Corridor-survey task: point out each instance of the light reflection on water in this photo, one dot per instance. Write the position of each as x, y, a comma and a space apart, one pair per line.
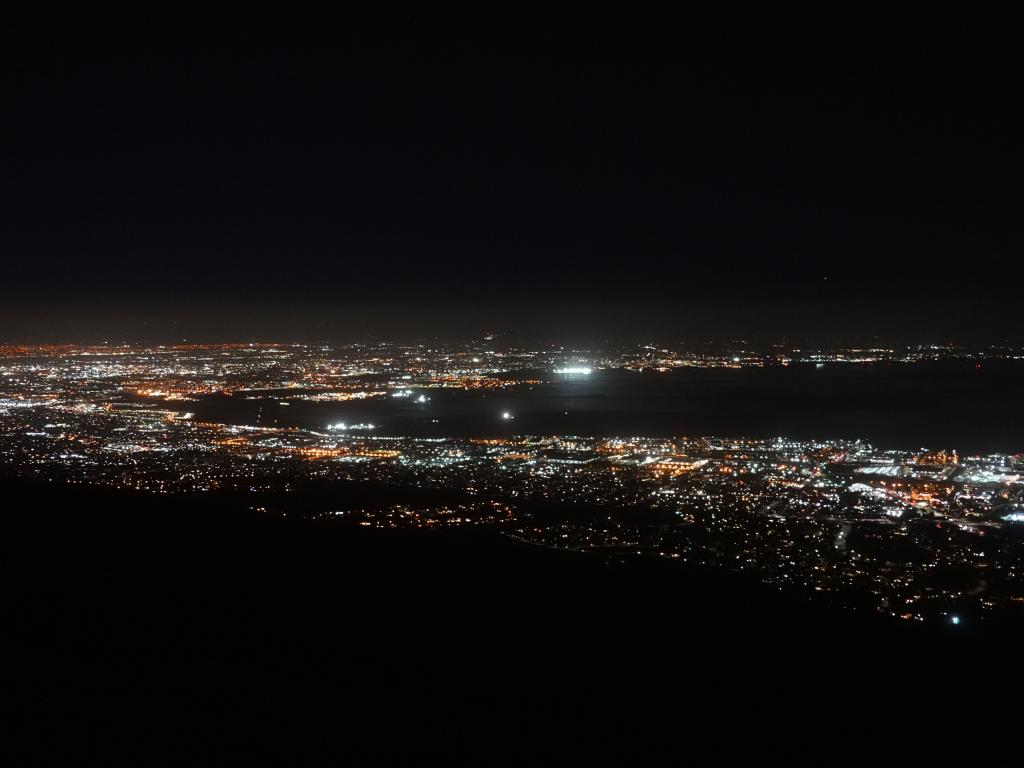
935, 405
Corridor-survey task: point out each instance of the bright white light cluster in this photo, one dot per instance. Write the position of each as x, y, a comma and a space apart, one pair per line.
575, 369
343, 427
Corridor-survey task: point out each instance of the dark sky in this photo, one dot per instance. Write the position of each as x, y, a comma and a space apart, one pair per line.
691, 174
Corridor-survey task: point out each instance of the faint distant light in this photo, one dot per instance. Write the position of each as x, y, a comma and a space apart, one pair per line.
954, 619
422, 399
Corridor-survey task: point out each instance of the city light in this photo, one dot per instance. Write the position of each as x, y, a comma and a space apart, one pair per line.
824, 516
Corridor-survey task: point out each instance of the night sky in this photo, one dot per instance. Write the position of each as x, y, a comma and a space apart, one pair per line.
691, 175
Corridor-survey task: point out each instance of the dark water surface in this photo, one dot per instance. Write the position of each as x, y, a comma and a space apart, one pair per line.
952, 405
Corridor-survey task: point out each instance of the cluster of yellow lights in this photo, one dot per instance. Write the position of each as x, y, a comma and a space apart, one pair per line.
476, 382
678, 466
316, 452
343, 396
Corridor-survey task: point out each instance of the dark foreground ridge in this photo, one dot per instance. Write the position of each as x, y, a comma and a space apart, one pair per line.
111, 590
198, 601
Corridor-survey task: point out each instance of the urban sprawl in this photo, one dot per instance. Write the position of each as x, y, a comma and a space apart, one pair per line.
917, 534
